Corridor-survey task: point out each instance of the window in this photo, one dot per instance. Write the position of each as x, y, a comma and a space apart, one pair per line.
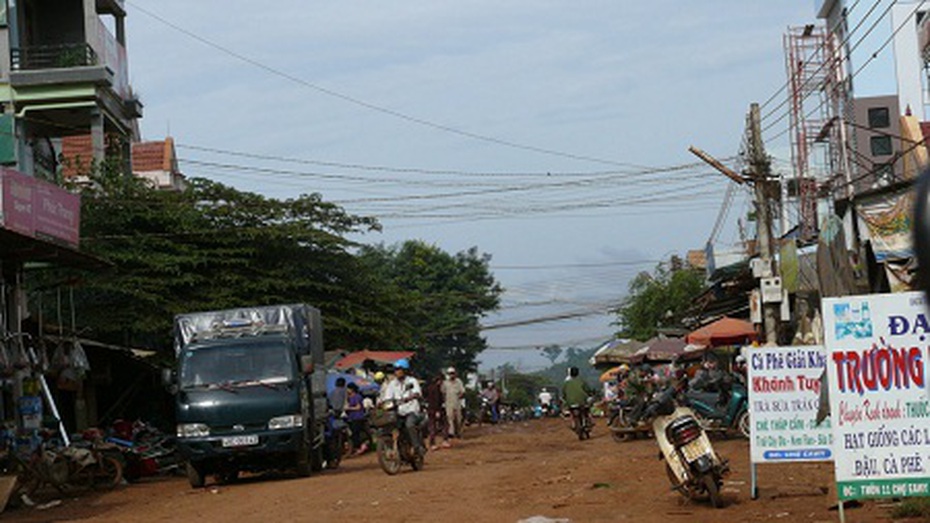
881, 145
879, 118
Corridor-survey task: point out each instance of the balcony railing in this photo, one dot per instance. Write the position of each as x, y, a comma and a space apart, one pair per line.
53, 56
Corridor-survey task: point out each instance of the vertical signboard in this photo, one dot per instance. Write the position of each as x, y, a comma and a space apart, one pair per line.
784, 394
877, 349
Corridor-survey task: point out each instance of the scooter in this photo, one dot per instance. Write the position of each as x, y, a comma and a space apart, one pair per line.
722, 411
693, 467
394, 446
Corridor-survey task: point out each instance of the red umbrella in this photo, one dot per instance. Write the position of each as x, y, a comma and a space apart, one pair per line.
725, 331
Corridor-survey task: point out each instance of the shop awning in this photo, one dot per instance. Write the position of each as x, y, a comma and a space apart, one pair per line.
15, 247
725, 331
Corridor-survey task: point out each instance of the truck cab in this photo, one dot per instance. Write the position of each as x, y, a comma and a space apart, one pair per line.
250, 391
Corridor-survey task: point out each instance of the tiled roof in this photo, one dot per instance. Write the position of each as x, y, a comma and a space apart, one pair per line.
152, 156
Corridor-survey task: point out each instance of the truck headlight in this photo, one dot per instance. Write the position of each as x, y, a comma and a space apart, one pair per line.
193, 430
293, 421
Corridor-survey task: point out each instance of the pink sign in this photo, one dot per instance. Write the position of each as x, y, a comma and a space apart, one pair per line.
39, 209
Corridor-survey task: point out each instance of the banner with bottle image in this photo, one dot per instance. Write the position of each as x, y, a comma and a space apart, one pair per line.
877, 354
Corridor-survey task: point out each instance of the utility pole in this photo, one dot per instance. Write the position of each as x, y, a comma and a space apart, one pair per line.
760, 174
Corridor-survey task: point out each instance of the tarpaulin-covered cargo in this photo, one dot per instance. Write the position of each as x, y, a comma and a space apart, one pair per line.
301, 322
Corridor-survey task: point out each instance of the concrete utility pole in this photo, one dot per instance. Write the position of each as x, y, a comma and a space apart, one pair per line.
759, 175
761, 172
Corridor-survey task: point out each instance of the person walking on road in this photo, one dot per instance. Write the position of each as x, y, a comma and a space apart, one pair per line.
453, 391
434, 410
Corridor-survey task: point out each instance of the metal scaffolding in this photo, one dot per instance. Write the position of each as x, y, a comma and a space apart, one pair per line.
818, 100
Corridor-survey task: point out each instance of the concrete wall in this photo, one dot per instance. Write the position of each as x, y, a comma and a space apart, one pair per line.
864, 157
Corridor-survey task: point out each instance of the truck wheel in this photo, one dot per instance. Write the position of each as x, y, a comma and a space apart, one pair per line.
195, 475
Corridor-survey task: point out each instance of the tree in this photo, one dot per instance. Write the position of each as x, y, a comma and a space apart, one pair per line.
552, 353
215, 247
442, 298
658, 300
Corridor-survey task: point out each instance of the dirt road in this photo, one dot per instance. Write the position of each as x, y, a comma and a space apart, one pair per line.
497, 474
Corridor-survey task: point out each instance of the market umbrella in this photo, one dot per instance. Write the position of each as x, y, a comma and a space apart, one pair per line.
660, 349
725, 331
610, 374
365, 386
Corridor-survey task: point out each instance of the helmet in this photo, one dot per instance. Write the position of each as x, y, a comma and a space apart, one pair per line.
402, 363
379, 376
450, 370
624, 367
741, 359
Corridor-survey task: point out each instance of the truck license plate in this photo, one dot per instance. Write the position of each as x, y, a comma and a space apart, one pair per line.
240, 441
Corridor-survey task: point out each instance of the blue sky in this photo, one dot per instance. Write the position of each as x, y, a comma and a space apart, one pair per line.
617, 82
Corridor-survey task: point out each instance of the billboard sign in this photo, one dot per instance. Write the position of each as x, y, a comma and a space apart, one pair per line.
877, 353
39, 209
784, 394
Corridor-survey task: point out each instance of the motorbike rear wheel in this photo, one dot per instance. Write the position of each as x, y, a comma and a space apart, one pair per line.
713, 490
744, 424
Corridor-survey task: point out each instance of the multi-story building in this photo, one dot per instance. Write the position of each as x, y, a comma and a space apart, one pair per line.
64, 72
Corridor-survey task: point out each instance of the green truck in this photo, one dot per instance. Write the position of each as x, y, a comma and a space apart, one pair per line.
250, 391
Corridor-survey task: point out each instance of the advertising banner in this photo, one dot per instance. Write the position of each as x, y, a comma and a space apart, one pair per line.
39, 209
877, 353
784, 394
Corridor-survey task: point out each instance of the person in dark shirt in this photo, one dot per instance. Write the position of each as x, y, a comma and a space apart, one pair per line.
357, 418
435, 411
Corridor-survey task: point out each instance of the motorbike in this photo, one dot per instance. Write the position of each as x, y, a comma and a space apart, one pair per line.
724, 410
581, 419
394, 446
146, 451
620, 419
693, 467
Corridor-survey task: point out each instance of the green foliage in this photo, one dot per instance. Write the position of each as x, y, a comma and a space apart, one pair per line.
912, 508
574, 357
658, 300
441, 299
551, 352
522, 389
214, 247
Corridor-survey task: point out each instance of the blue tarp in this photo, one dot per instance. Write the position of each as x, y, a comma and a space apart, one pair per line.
365, 386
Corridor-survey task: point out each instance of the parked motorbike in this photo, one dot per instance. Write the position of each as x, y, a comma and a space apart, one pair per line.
146, 451
722, 410
620, 419
394, 446
693, 467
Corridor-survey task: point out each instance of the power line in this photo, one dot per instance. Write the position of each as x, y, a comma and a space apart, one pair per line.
374, 107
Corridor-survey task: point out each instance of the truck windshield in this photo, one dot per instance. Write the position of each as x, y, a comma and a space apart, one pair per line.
263, 362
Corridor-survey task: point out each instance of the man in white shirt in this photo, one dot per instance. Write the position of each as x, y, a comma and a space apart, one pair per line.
404, 390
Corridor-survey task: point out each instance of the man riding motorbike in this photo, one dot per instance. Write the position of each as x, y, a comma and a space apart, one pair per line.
404, 391
576, 393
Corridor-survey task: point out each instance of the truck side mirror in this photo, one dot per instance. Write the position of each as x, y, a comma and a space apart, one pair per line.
168, 380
